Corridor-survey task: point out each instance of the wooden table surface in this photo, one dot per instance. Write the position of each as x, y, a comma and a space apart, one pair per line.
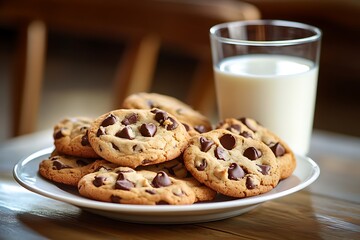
327, 209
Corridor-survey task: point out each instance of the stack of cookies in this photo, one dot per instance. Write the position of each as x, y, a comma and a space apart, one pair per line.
158, 150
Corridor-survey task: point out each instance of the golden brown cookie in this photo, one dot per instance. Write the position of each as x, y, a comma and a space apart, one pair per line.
65, 169
138, 137
231, 164
248, 127
127, 186
70, 137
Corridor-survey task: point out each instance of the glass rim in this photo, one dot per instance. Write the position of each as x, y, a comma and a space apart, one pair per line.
316, 32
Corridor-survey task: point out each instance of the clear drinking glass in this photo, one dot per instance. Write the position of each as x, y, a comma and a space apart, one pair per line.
268, 70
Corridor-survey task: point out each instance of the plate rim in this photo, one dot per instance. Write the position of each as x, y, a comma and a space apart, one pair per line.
131, 208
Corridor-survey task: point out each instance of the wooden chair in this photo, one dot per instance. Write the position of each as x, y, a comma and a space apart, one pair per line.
146, 26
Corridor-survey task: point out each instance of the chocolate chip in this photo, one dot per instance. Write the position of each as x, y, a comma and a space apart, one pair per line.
110, 120
250, 183
126, 133
202, 165
172, 126
122, 183
246, 134
235, 172
98, 181
160, 116
161, 180
115, 147
100, 132
58, 134
277, 149
148, 129
54, 158
228, 141
205, 144
155, 110
221, 153
150, 191
200, 128
59, 165
249, 124
137, 148
115, 199
130, 119
264, 169
162, 202
252, 153
85, 140
235, 127
186, 126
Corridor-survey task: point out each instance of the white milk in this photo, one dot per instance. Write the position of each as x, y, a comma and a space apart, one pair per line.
278, 91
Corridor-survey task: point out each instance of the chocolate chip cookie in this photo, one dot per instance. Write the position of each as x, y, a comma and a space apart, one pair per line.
71, 137
231, 164
134, 137
250, 128
127, 186
175, 168
65, 169
193, 120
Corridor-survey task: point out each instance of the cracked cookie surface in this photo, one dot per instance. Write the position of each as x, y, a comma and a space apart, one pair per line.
138, 137
231, 164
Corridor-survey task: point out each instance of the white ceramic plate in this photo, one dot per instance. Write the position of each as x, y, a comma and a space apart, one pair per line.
26, 174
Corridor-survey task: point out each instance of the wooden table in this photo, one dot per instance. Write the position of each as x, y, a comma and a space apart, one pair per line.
327, 209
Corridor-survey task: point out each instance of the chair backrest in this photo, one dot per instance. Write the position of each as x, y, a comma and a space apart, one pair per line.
145, 25
176, 24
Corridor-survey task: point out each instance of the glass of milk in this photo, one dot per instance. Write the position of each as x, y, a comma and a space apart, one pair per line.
267, 70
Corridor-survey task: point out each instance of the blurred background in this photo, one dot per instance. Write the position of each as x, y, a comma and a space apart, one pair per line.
61, 58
